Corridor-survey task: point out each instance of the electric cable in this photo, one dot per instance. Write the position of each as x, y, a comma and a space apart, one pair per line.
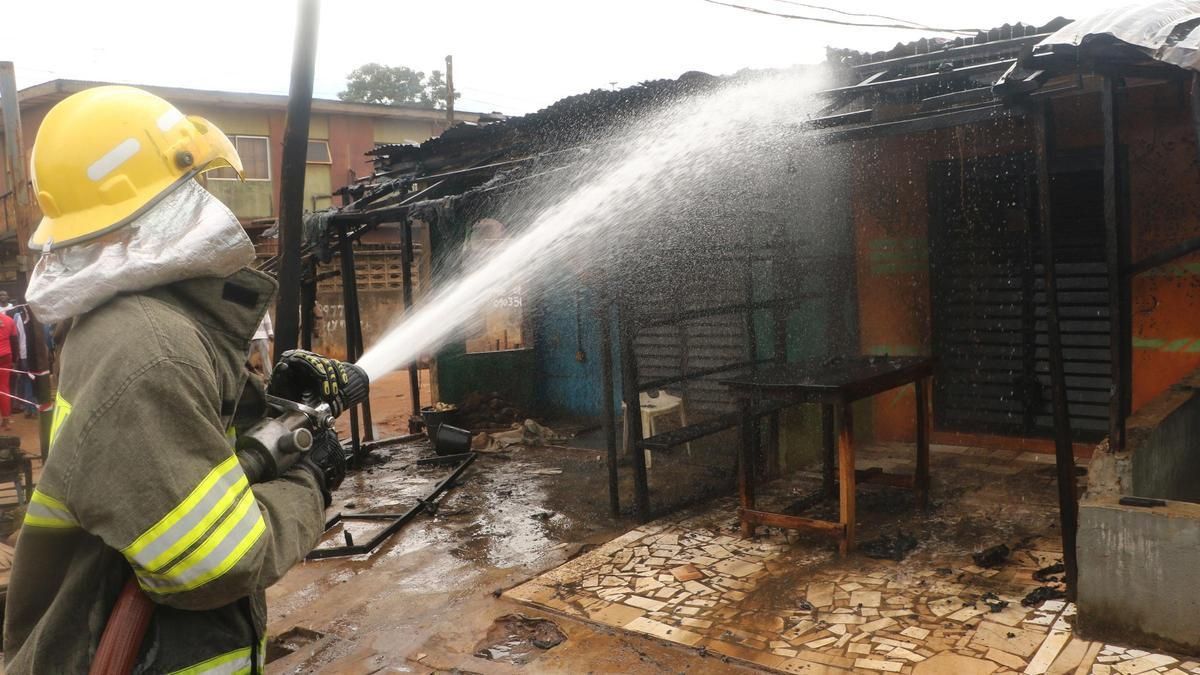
845, 13
756, 10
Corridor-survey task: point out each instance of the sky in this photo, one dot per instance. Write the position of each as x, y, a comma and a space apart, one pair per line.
511, 56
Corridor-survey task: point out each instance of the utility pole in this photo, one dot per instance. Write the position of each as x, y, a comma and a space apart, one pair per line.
35, 335
450, 90
291, 189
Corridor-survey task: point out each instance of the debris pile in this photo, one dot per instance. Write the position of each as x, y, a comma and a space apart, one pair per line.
888, 547
488, 411
530, 434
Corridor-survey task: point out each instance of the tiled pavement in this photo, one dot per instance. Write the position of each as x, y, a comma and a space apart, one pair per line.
794, 607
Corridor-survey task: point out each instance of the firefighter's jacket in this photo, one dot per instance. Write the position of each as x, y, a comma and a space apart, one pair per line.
141, 476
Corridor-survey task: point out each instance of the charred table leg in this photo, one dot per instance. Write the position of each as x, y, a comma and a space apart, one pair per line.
746, 464
829, 446
921, 481
846, 478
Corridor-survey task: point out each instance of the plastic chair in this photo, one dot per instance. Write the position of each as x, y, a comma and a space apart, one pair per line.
655, 406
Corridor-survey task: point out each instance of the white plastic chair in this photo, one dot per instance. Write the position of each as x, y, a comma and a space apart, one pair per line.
653, 407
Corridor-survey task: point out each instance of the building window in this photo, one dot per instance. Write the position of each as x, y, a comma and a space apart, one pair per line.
502, 325
255, 152
318, 152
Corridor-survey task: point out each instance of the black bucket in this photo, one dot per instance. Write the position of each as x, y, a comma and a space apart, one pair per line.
448, 440
436, 418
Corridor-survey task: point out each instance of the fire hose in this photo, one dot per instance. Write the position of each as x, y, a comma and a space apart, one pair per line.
265, 451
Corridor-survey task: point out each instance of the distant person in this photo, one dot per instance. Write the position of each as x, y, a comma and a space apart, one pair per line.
20, 383
8, 340
261, 344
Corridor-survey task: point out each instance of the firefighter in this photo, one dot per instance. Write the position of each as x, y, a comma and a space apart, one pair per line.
141, 478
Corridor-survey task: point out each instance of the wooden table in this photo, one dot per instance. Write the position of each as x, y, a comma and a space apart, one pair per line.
834, 384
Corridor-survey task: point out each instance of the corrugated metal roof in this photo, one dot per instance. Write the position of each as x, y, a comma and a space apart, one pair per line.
1166, 31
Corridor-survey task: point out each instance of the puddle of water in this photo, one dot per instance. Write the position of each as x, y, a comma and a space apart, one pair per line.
291, 641
519, 639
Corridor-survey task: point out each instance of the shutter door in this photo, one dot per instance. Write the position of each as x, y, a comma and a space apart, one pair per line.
989, 328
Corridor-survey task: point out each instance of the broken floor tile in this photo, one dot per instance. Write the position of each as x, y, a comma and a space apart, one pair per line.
945, 606
878, 624
736, 567
1141, 664
823, 642
875, 664
644, 603
662, 630
820, 594
1004, 658
865, 598
915, 632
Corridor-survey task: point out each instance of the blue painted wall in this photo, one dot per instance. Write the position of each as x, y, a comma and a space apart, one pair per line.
565, 323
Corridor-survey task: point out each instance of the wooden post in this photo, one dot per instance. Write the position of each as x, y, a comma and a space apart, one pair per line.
291, 190
14, 146
349, 303
406, 261
1116, 249
829, 448
747, 450
610, 412
633, 412
1068, 506
846, 480
921, 480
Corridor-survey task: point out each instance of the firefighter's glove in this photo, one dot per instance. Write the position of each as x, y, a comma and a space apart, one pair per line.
327, 462
311, 379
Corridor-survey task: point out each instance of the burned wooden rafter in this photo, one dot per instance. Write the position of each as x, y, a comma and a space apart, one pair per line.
980, 50
924, 78
920, 123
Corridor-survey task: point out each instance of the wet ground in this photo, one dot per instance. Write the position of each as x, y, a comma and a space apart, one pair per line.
427, 599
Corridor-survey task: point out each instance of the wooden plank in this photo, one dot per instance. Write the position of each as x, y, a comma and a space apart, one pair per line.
846, 504
1113, 241
768, 519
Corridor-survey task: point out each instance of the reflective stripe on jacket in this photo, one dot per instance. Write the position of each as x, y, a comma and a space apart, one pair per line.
141, 476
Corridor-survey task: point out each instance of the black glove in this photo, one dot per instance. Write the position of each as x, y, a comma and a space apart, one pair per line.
311, 379
327, 462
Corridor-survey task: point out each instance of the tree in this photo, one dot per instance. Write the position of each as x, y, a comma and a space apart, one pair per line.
394, 85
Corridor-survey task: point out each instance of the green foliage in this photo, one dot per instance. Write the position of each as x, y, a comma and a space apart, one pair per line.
395, 85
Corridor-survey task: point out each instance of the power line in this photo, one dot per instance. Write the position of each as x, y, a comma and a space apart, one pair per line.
756, 10
845, 13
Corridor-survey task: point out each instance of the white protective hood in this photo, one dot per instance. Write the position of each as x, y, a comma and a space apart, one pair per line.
187, 234
1166, 30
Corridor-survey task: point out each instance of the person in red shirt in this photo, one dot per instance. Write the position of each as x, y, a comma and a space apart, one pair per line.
8, 334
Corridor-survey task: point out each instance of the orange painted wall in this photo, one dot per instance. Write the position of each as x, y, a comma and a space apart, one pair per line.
1165, 210
891, 220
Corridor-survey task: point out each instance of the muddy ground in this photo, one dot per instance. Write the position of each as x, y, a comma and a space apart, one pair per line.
426, 599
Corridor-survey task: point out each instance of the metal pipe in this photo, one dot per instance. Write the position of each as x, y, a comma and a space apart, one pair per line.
291, 190
1113, 244
346, 258
633, 411
610, 413
1068, 507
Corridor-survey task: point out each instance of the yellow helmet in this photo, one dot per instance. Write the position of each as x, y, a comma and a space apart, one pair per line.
105, 155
